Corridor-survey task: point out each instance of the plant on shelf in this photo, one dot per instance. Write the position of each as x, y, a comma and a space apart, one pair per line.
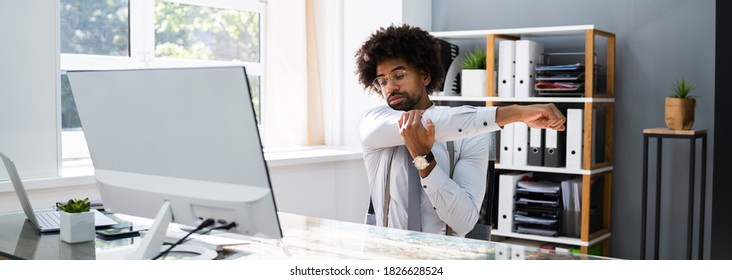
77, 222
474, 60
679, 113
473, 73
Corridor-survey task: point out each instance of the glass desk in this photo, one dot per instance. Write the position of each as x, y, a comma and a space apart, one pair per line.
305, 238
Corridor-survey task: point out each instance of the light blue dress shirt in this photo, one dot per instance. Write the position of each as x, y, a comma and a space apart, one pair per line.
455, 202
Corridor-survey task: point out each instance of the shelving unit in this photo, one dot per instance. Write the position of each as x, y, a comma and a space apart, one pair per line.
592, 98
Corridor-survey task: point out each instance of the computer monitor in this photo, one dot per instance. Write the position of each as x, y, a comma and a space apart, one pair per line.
186, 138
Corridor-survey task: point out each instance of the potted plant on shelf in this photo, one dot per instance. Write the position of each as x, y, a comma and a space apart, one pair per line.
679, 113
473, 73
77, 222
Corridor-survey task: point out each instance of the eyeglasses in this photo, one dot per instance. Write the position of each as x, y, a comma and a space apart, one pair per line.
396, 77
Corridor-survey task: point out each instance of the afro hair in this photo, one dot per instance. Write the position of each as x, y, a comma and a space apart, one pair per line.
417, 47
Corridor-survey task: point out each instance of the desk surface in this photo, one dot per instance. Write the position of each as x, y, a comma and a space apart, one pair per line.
304, 238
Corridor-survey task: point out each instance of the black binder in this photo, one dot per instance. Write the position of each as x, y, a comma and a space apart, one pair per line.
555, 156
536, 147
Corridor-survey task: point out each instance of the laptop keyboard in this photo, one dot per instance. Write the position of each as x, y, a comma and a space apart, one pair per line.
48, 220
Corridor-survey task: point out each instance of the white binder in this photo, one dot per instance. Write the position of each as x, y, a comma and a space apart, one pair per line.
551, 139
506, 153
506, 187
574, 138
520, 144
528, 56
506, 68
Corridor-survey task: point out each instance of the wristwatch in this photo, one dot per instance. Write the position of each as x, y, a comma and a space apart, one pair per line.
422, 162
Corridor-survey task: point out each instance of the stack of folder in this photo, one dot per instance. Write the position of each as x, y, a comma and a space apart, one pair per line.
506, 188
560, 80
538, 208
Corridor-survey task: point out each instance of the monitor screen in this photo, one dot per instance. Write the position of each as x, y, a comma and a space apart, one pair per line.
187, 136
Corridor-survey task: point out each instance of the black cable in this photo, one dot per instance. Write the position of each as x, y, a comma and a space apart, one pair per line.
224, 227
206, 223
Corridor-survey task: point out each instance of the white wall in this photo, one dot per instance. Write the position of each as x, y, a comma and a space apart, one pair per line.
361, 18
333, 190
29, 81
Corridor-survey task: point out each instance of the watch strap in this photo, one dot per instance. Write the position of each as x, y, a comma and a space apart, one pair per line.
430, 157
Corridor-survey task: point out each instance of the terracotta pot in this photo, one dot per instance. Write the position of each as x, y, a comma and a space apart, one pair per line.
680, 113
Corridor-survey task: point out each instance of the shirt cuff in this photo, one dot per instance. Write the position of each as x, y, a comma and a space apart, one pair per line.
434, 181
486, 118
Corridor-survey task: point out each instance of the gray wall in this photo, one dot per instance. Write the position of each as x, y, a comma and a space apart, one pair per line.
658, 41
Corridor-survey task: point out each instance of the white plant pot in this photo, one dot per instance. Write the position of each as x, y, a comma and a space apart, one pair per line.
77, 227
473, 83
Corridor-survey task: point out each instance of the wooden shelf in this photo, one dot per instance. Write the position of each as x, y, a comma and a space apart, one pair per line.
594, 96
545, 31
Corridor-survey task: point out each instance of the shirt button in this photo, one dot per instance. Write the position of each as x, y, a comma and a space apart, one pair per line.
425, 186
435, 208
485, 123
460, 130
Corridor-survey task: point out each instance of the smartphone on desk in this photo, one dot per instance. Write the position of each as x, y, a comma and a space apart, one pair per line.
116, 233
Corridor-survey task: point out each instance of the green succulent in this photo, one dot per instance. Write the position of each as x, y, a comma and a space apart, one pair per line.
681, 89
474, 60
75, 206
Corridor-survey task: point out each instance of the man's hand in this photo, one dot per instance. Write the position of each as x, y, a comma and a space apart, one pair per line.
535, 116
543, 116
418, 138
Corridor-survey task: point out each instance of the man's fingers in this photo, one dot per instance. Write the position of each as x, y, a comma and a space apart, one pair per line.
410, 119
416, 117
430, 128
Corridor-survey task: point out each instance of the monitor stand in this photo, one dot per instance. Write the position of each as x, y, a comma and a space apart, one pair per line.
152, 243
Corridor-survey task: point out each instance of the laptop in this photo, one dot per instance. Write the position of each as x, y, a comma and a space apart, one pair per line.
44, 221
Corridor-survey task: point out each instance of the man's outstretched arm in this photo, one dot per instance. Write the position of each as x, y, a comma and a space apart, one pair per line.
536, 116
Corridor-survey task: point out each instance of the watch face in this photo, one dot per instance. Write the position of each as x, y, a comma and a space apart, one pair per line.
421, 163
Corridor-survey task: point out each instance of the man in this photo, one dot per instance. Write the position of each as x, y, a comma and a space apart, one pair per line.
405, 143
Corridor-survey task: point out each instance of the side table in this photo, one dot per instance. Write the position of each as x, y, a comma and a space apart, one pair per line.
692, 136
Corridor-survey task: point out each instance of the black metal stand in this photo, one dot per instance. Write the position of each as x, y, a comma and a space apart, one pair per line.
691, 135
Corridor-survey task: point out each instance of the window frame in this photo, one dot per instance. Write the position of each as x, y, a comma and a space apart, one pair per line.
142, 48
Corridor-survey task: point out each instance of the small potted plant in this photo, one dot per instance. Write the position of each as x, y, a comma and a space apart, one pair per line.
473, 73
679, 113
77, 222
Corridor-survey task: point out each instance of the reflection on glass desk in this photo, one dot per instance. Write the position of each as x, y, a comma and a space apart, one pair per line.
304, 238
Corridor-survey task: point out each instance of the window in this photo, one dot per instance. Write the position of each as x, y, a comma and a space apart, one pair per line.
95, 27
116, 34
